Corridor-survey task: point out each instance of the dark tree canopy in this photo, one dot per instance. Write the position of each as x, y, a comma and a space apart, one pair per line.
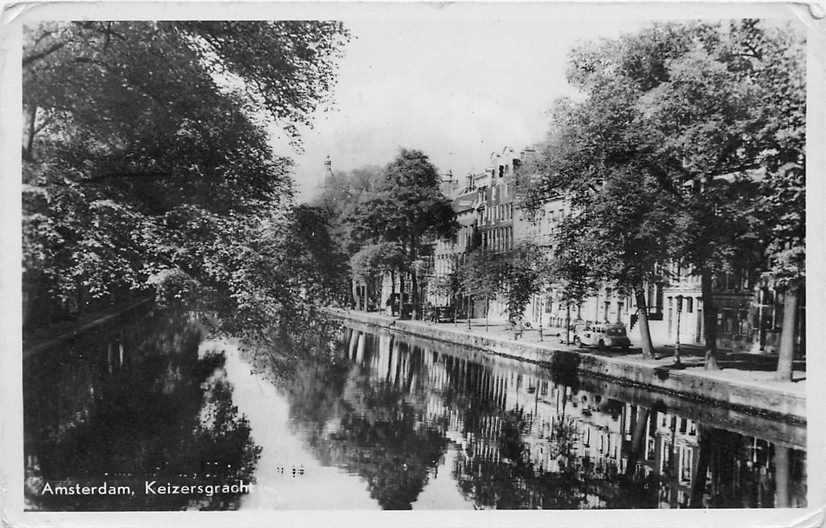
145, 151
401, 207
407, 204
687, 146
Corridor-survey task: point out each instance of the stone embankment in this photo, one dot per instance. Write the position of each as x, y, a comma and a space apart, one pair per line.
55, 335
783, 401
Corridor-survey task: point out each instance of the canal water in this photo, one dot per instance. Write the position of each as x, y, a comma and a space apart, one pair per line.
356, 418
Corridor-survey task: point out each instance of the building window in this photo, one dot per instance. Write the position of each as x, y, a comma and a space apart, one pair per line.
686, 462
689, 305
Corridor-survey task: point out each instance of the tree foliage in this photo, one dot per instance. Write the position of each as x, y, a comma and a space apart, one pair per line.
407, 205
525, 270
688, 146
144, 154
482, 274
405, 208
340, 197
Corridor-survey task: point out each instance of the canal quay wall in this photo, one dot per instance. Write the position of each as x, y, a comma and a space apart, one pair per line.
53, 338
700, 386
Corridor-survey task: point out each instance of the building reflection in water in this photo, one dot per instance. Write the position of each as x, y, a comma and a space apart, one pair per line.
144, 400
531, 438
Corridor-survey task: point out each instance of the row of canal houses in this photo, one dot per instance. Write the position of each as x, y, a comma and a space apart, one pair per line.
487, 209
503, 414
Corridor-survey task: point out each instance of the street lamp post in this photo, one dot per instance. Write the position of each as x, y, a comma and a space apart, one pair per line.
677, 343
541, 308
467, 310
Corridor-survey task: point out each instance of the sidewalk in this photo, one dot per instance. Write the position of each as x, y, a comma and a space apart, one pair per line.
739, 366
744, 383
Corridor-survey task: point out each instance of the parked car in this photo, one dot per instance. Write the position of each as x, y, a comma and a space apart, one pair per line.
601, 335
444, 314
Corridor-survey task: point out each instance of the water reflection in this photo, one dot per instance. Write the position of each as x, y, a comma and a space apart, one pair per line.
129, 404
377, 421
389, 409
369, 427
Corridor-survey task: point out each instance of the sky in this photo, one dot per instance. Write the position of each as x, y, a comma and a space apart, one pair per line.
457, 81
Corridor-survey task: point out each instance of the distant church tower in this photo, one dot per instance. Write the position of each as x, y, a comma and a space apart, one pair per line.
327, 177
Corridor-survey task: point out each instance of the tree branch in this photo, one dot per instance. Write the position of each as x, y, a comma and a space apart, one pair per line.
42, 54
140, 88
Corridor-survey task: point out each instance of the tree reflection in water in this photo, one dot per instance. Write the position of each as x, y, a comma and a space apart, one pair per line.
141, 402
131, 404
526, 437
368, 424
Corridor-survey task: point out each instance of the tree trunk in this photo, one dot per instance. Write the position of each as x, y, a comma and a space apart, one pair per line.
781, 477
675, 477
709, 321
414, 280
786, 356
645, 330
487, 311
401, 295
28, 153
698, 483
637, 440
414, 290
454, 299
354, 294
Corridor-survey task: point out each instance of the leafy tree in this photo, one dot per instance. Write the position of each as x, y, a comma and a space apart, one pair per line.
777, 60
408, 208
373, 261
482, 275
656, 156
620, 228
314, 255
450, 285
524, 269
142, 156
288, 67
341, 195
570, 266
732, 107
